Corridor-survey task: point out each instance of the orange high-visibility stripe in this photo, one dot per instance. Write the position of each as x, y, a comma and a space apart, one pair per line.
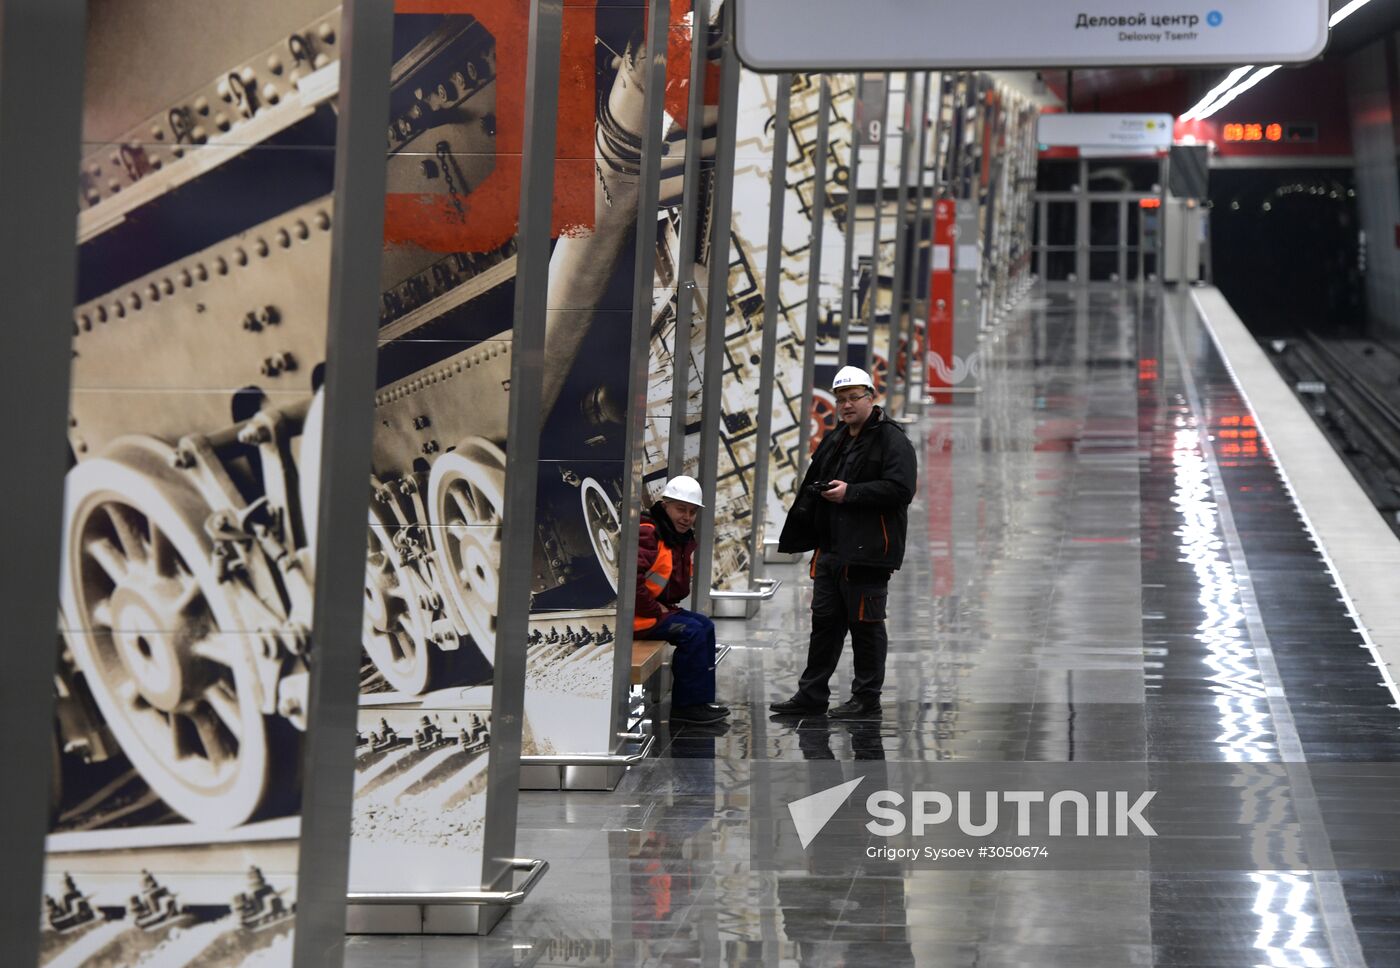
660, 574
655, 582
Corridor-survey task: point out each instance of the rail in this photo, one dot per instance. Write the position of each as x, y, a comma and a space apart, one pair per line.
595, 759
535, 869
771, 586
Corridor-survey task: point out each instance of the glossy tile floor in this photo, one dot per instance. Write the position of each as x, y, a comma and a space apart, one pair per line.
1075, 590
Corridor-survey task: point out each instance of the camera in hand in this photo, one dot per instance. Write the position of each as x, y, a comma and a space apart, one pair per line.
818, 487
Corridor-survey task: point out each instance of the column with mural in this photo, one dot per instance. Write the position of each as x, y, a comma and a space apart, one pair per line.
432, 577
189, 554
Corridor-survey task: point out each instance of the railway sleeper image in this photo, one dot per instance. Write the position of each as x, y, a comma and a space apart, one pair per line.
154, 915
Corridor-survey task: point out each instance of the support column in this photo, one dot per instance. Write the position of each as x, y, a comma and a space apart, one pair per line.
918, 269
343, 462
772, 301
691, 218
814, 273
721, 214
483, 501
608, 773
41, 43
527, 368
873, 344
852, 204
897, 383
967, 303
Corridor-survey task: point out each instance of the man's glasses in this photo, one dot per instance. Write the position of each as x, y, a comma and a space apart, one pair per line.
851, 397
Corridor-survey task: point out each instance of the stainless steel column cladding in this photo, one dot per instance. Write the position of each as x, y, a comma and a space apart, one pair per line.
772, 301
523, 435
852, 198
643, 283
814, 276
690, 223
896, 388
717, 308
872, 344
351, 356
918, 275
38, 209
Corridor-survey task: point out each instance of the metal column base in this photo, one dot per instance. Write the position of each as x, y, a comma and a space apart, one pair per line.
728, 604
582, 771
553, 777
422, 918
957, 396
744, 608
440, 912
772, 556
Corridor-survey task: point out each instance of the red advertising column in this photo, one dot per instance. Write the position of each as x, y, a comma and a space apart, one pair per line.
937, 367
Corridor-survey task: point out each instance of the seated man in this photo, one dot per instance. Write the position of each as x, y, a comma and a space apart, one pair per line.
664, 553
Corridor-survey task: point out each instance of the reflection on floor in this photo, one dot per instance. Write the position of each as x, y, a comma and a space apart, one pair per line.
1074, 591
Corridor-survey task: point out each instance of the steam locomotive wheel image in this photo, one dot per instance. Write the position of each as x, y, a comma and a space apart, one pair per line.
466, 492
158, 637
397, 630
604, 528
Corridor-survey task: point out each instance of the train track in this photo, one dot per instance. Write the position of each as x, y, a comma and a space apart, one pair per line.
1350, 387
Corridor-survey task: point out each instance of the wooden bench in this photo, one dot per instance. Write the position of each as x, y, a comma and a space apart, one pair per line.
647, 657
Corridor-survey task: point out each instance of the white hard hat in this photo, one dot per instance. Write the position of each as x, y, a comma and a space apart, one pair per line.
682, 488
851, 376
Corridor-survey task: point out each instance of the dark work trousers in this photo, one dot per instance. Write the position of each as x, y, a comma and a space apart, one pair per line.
693, 665
841, 604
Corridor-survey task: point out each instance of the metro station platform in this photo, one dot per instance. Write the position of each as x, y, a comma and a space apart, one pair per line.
1106, 565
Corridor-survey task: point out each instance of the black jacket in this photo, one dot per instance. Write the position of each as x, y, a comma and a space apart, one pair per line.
869, 527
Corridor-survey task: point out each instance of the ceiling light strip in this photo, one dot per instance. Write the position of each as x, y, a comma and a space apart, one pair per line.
1239, 89
1230, 80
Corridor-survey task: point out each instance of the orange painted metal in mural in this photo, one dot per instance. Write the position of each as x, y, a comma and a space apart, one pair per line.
940, 304
678, 53
489, 213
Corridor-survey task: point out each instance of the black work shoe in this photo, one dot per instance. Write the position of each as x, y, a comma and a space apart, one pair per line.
700, 715
855, 709
797, 706
722, 710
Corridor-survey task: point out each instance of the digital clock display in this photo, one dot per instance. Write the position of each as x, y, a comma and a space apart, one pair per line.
1253, 131
1271, 131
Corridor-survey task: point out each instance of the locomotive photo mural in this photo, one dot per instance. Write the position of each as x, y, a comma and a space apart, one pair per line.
448, 282
189, 544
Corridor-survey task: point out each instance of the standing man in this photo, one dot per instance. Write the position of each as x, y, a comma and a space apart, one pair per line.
664, 552
852, 510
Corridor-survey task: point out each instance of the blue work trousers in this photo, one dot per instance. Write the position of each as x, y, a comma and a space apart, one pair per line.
693, 665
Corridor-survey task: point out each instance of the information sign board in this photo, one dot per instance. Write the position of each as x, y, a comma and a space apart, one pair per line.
838, 35
1095, 130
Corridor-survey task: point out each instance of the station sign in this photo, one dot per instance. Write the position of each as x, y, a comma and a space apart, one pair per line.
883, 35
1133, 132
